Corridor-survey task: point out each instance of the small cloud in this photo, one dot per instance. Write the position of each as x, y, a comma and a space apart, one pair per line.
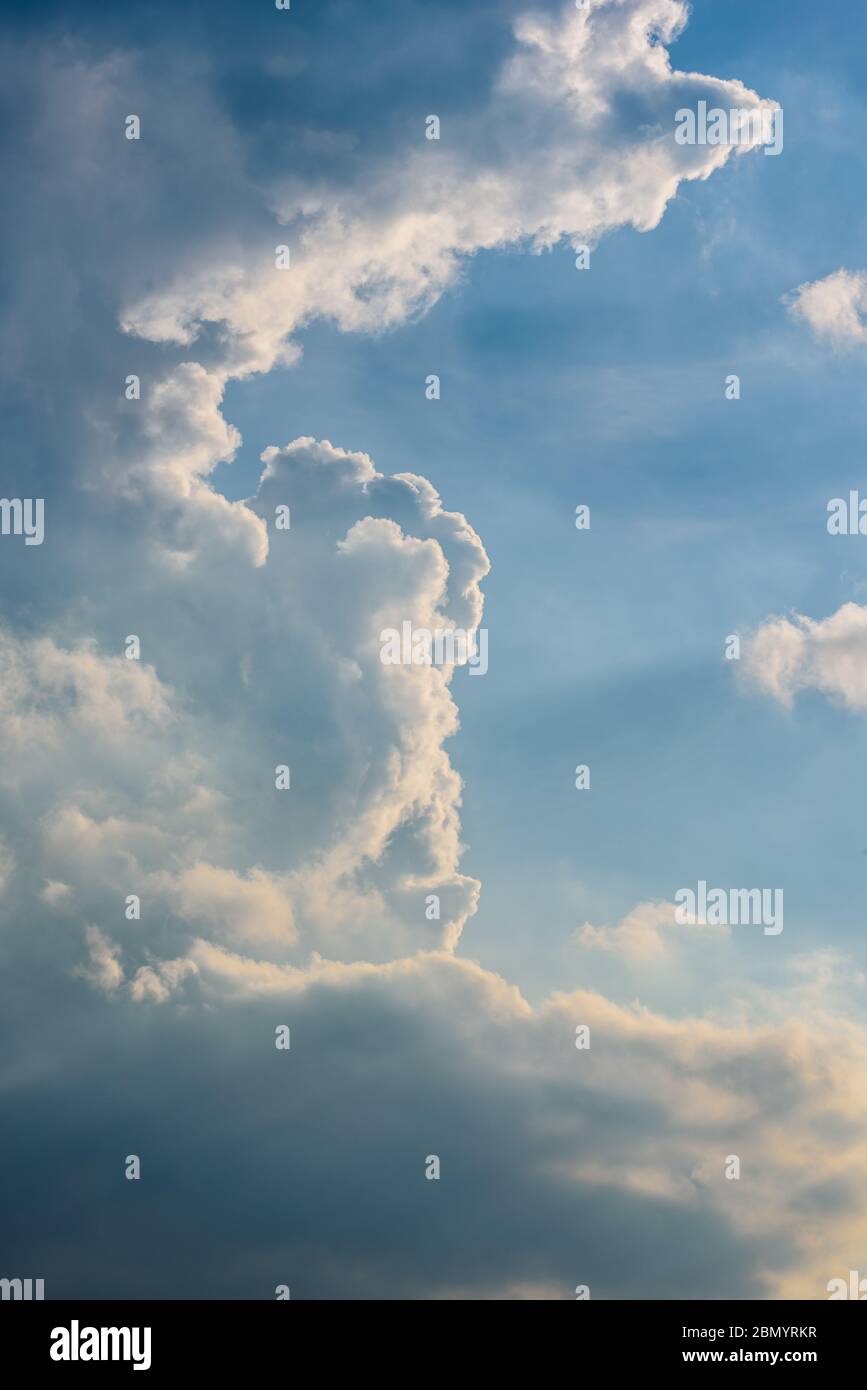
644, 933
788, 655
834, 308
54, 893
156, 983
105, 971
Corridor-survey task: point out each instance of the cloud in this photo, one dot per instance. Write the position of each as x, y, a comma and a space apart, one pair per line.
105, 971
575, 138
47, 690
55, 892
249, 909
158, 983
788, 655
572, 1162
158, 776
646, 933
833, 308
570, 136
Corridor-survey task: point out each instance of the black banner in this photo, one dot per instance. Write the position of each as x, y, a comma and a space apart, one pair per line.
160, 1338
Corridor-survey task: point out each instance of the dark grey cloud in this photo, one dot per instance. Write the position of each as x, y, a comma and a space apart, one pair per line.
306, 1167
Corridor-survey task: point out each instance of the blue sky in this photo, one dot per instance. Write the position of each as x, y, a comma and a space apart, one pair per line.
559, 387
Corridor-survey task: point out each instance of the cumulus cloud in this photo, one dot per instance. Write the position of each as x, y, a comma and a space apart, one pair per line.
788, 655
161, 780
833, 308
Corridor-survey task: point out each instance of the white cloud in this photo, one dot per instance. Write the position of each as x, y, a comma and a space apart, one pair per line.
159, 780
788, 655
834, 308
549, 155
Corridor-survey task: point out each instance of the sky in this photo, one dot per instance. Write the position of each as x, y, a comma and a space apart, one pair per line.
604, 1168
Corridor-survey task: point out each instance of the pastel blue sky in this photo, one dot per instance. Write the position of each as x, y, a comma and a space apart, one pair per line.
559, 387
